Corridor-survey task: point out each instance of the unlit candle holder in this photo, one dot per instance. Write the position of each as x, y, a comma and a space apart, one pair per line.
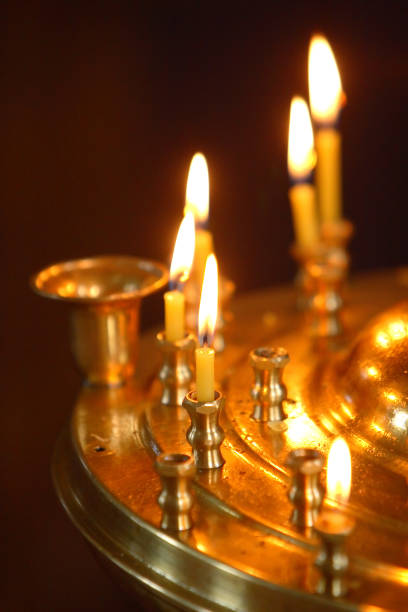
337, 234
268, 390
176, 372
333, 529
306, 491
205, 435
175, 499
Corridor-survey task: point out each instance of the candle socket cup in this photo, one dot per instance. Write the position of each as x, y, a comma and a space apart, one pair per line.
337, 233
175, 499
176, 373
303, 256
306, 491
326, 303
332, 561
105, 294
205, 435
268, 390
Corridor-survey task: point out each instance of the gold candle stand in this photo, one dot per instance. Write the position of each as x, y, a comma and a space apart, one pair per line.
306, 491
337, 233
303, 256
105, 294
333, 529
176, 472
326, 302
205, 435
176, 372
268, 390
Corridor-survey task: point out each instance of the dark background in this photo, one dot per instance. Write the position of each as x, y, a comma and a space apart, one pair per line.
103, 105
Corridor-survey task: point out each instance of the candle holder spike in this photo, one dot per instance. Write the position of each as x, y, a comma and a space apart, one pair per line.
175, 499
176, 372
268, 390
332, 560
205, 435
306, 491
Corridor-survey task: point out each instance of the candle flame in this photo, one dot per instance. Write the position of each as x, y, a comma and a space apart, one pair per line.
339, 471
301, 153
197, 192
207, 314
183, 253
325, 89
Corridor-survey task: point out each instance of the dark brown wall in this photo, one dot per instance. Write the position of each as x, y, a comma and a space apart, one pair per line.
103, 105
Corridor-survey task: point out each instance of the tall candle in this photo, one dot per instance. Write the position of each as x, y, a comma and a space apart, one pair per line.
326, 98
197, 201
207, 318
174, 302
301, 161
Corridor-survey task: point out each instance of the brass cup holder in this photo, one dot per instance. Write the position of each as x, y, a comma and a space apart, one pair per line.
175, 499
306, 491
205, 435
337, 233
268, 390
303, 256
176, 372
105, 295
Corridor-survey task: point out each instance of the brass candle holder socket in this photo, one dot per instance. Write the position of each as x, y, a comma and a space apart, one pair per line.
333, 529
175, 499
193, 293
205, 435
337, 233
326, 302
304, 255
306, 491
105, 294
268, 390
176, 372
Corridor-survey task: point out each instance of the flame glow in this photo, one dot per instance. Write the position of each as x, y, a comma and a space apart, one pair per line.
325, 90
301, 153
183, 253
339, 471
207, 314
198, 189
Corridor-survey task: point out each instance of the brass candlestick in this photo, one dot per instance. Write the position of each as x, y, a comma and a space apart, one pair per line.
326, 303
306, 491
304, 255
205, 435
332, 561
176, 372
105, 294
268, 391
337, 233
175, 499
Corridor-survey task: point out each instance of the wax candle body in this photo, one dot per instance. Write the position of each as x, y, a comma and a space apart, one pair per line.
205, 373
304, 211
328, 174
203, 248
174, 315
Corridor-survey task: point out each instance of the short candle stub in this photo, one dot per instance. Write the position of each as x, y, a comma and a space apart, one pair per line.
205, 435
306, 491
333, 529
176, 372
175, 499
268, 390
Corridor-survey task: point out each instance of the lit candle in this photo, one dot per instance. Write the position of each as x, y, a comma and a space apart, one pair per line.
197, 201
326, 99
179, 271
301, 161
207, 317
339, 471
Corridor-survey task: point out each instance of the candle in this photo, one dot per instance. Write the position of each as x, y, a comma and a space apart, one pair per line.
174, 303
326, 99
301, 161
207, 318
339, 471
197, 201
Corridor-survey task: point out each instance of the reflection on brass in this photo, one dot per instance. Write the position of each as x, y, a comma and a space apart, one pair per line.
268, 390
176, 471
205, 435
176, 372
105, 293
193, 293
306, 491
326, 302
243, 553
332, 561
